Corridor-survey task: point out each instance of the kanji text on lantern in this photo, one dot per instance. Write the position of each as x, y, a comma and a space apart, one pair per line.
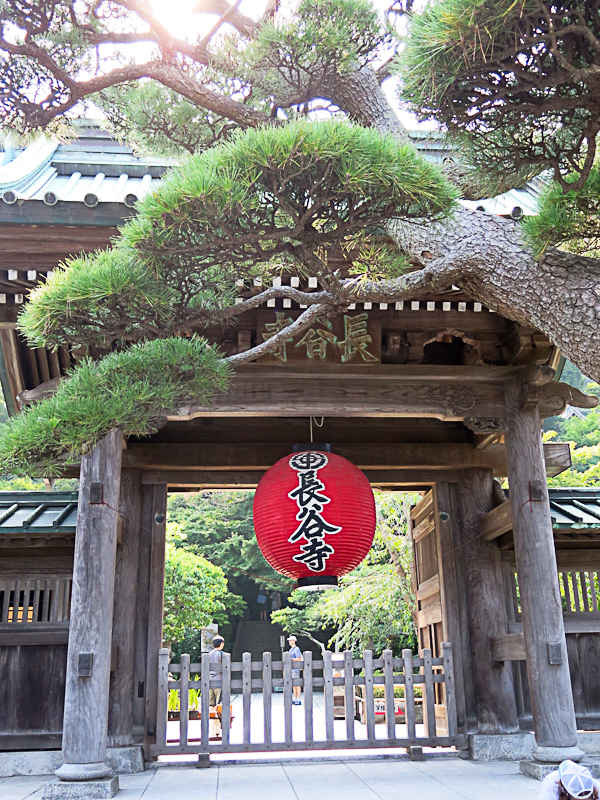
311, 500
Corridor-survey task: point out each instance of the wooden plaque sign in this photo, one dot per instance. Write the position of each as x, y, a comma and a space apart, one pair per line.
351, 338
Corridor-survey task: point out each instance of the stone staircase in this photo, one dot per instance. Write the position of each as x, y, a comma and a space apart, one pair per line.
257, 638
263, 637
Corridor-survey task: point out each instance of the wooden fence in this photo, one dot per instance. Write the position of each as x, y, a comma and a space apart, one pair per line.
434, 675
31, 599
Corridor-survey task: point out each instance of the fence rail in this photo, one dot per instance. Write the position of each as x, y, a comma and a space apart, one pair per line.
357, 679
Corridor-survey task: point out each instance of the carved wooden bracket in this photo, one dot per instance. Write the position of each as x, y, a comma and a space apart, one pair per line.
486, 424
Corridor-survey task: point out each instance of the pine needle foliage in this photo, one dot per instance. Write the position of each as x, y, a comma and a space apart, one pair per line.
272, 195
133, 390
514, 81
570, 220
302, 48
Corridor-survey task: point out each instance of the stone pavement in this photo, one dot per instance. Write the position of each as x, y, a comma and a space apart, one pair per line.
352, 779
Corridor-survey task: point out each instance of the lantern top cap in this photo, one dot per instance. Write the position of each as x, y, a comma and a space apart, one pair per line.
315, 447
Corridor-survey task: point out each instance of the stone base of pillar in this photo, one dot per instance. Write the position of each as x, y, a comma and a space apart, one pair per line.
83, 772
81, 790
554, 755
539, 769
499, 746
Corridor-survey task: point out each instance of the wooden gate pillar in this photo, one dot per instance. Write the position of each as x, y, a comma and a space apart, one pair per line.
486, 612
88, 659
541, 606
122, 688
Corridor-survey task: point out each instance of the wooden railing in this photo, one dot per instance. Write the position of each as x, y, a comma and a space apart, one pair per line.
297, 730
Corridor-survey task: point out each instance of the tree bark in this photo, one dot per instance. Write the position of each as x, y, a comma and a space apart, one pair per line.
486, 255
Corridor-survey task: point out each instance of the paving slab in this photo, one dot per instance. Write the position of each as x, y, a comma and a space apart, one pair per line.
368, 779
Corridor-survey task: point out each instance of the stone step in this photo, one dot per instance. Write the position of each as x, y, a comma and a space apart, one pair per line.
539, 769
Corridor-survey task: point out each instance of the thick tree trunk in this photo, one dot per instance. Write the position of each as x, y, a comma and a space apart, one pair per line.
486, 255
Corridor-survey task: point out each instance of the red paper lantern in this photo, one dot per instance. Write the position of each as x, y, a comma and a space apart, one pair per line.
314, 516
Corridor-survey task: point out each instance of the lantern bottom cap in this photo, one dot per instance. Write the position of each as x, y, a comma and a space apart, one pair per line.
317, 583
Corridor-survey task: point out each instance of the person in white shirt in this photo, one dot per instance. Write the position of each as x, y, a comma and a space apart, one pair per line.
570, 781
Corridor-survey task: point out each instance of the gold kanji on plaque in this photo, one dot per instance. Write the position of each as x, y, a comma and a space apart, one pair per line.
356, 339
281, 322
346, 338
316, 341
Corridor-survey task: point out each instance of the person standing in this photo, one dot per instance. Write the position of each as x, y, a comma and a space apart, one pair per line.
262, 602
296, 655
214, 695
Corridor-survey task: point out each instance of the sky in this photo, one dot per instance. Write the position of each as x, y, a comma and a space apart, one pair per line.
178, 17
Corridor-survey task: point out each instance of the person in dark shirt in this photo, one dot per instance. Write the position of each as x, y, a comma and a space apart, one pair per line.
296, 655
214, 695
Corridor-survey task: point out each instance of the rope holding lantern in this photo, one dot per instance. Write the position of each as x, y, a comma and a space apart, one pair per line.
314, 516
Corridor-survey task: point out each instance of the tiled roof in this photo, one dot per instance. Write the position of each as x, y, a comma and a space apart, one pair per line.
95, 169
38, 512
575, 508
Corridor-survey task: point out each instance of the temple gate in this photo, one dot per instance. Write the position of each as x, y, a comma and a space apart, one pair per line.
438, 395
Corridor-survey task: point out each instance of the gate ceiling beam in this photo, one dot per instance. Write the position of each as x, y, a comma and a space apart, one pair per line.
242, 458
446, 393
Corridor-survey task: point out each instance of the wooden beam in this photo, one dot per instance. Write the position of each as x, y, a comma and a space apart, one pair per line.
239, 479
42, 633
510, 647
385, 390
89, 652
120, 710
487, 616
444, 497
541, 608
158, 514
13, 367
259, 457
429, 588
429, 615
446, 393
496, 522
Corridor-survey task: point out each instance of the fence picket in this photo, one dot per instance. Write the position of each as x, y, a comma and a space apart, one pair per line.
162, 696
287, 695
328, 694
429, 698
449, 695
592, 576
578, 607
369, 696
225, 698
267, 694
36, 602
308, 695
349, 694
6, 604
584, 590
184, 699
16, 596
247, 692
409, 694
204, 703
388, 680
46, 601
